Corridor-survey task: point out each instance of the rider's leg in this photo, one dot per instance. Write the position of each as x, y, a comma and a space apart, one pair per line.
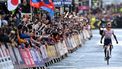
111, 49
111, 46
105, 50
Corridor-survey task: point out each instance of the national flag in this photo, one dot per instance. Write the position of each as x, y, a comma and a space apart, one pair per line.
36, 3
48, 10
39, 3
49, 4
49, 7
12, 4
46, 5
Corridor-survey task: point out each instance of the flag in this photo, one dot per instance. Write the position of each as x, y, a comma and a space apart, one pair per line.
39, 3
46, 5
50, 11
12, 4
49, 7
49, 4
36, 3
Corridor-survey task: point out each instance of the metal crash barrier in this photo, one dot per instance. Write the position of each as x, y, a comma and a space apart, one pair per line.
19, 58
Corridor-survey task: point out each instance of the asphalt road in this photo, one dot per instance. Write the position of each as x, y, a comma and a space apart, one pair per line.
91, 55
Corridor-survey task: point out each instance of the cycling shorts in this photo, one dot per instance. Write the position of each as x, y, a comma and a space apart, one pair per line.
107, 41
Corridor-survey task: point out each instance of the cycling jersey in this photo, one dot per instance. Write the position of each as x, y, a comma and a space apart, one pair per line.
108, 35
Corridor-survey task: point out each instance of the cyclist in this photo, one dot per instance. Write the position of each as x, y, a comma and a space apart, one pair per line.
101, 29
107, 40
102, 26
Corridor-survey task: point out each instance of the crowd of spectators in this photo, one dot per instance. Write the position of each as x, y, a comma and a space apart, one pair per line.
32, 31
